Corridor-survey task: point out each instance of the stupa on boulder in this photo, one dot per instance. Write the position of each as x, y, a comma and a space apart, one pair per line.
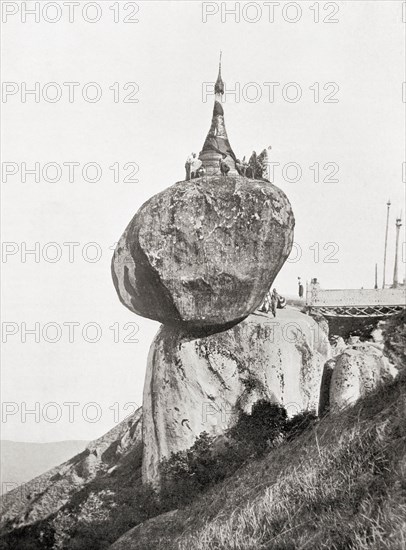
204, 252
217, 146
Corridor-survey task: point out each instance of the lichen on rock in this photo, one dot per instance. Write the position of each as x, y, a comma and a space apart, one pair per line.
203, 383
358, 370
204, 252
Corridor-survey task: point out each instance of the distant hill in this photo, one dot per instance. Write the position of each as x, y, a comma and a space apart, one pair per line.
31, 509
22, 461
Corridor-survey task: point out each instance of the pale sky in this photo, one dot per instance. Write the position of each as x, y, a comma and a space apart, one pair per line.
170, 54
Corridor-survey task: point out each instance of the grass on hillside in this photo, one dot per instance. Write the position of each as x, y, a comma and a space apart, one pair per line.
339, 486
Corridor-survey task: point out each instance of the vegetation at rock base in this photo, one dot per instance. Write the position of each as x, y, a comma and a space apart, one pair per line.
209, 461
350, 497
340, 485
111, 505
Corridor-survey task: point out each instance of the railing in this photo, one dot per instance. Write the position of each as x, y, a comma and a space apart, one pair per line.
355, 302
316, 297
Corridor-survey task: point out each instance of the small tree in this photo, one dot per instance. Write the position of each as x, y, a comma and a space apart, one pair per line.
262, 428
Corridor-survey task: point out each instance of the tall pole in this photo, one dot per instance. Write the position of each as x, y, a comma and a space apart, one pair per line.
386, 243
395, 270
376, 276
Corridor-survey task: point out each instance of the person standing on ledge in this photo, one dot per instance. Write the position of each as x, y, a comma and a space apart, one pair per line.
300, 288
224, 167
188, 165
266, 304
274, 301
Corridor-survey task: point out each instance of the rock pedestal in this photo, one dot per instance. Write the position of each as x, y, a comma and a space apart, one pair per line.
195, 384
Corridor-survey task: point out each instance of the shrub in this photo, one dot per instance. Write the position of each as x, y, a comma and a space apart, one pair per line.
186, 474
261, 429
115, 514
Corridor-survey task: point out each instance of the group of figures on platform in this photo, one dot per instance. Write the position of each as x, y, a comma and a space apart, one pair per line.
272, 302
194, 167
256, 168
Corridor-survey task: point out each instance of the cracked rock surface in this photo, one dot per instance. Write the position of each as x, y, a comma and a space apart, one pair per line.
358, 370
204, 252
195, 384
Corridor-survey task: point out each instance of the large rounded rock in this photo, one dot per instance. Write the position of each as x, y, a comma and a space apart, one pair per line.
358, 371
204, 252
195, 384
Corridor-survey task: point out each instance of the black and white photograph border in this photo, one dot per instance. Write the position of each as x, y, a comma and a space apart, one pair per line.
203, 260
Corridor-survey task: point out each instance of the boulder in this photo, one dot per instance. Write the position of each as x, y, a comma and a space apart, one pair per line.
324, 401
195, 384
338, 345
358, 371
204, 252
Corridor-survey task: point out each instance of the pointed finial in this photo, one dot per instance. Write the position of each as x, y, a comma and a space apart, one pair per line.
219, 86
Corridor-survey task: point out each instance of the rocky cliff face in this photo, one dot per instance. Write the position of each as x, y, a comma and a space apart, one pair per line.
204, 252
46, 494
195, 384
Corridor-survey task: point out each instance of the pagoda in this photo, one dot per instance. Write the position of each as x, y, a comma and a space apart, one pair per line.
217, 145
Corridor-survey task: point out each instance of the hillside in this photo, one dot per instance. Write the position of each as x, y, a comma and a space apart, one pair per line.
22, 461
36, 503
339, 486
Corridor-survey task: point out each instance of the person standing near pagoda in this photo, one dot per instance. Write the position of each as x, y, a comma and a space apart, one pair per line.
188, 165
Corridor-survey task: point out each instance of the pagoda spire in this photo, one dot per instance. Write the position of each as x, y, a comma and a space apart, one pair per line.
219, 86
217, 146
